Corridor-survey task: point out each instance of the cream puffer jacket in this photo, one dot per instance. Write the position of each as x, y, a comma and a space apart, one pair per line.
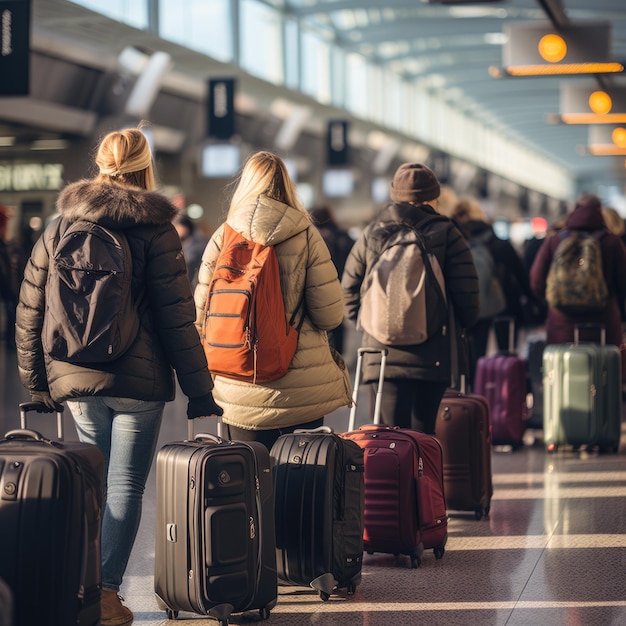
317, 381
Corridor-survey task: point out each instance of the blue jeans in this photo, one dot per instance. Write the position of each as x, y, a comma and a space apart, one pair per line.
126, 431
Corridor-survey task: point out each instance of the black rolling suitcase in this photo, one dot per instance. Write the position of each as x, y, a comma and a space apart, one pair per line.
319, 491
50, 515
215, 543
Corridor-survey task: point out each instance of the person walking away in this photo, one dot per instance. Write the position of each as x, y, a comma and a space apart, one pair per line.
503, 280
418, 373
193, 243
118, 405
608, 276
265, 209
339, 243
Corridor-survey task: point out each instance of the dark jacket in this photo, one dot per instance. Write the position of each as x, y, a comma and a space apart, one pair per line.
559, 325
431, 359
167, 336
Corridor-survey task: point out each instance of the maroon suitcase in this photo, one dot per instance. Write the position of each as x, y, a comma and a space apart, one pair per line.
502, 379
405, 509
464, 429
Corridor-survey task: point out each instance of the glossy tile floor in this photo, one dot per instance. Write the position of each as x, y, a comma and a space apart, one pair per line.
552, 551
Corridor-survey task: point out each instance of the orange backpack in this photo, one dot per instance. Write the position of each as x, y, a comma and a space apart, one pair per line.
245, 331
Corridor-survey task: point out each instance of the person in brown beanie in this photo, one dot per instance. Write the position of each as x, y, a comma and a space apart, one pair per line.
418, 370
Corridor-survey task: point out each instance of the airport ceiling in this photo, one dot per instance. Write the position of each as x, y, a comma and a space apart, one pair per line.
447, 45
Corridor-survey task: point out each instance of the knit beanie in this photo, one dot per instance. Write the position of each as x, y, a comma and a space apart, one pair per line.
414, 182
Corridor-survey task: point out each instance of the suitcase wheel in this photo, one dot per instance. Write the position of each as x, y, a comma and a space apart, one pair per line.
479, 512
324, 596
171, 614
264, 613
439, 551
552, 447
351, 589
415, 561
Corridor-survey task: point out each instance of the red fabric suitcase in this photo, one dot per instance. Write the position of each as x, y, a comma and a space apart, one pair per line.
464, 429
405, 509
502, 379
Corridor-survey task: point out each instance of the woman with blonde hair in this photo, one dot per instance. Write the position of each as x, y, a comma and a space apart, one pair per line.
118, 405
265, 209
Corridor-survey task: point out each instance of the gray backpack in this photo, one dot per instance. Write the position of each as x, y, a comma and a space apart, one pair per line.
491, 295
90, 314
403, 299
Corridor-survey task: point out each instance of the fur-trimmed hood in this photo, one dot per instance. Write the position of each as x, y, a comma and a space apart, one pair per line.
113, 206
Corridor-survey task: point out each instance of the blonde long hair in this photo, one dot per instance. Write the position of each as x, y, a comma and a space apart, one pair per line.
124, 158
265, 174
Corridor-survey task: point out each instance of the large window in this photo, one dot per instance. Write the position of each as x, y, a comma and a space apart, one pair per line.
131, 12
315, 77
261, 36
200, 25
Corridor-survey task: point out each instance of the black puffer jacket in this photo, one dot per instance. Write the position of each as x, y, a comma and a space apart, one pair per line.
429, 360
167, 336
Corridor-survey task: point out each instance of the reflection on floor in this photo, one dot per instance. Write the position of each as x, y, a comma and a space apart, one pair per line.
552, 551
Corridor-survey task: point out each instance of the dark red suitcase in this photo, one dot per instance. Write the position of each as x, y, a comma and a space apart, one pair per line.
405, 509
463, 427
502, 379
50, 515
215, 535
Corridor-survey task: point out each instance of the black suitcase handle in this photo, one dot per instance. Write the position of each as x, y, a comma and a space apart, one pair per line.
40, 407
28, 435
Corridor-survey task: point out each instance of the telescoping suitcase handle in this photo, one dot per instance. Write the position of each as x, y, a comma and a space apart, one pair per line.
191, 436
590, 326
357, 382
25, 408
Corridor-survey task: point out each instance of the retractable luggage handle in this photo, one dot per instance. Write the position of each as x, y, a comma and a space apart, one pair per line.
357, 381
511, 322
39, 407
600, 327
192, 437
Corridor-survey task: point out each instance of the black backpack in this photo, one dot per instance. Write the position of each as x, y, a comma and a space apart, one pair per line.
90, 315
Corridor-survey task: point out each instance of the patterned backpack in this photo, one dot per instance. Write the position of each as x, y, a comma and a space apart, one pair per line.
575, 283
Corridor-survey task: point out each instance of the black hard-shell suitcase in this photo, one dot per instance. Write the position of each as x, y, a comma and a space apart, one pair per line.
50, 517
463, 427
6, 605
318, 485
215, 537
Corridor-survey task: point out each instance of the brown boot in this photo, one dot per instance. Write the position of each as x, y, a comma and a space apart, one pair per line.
114, 613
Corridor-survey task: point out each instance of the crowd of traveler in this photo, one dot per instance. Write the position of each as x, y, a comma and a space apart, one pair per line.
118, 406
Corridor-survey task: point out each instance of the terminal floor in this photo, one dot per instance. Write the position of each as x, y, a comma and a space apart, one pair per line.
551, 552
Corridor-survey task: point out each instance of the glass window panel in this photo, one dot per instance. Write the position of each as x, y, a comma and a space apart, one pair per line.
200, 25
357, 85
315, 78
261, 41
132, 12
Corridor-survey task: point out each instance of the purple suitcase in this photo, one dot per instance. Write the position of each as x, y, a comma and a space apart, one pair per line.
502, 379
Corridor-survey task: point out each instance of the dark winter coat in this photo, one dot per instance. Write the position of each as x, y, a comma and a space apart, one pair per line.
559, 325
167, 336
430, 360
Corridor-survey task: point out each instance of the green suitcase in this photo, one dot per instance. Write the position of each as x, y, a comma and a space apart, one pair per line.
582, 395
